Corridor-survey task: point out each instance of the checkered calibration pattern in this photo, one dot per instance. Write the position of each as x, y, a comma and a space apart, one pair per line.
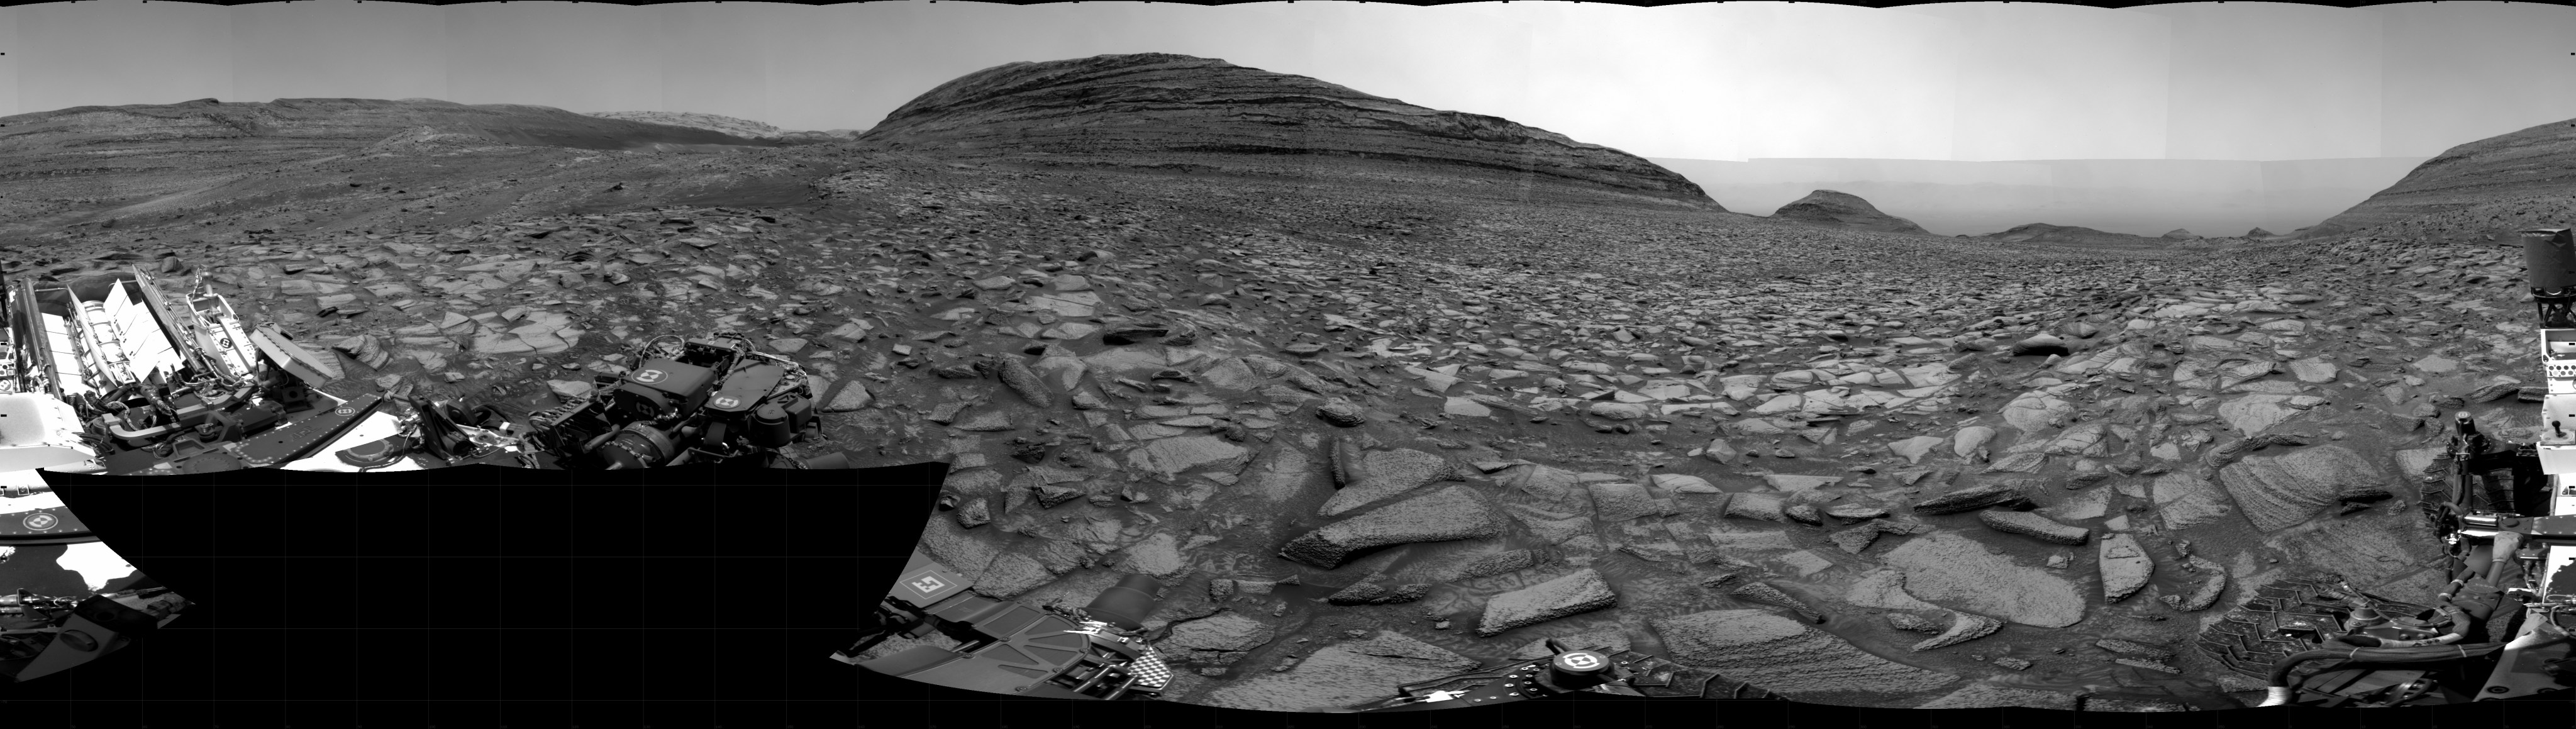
1150, 670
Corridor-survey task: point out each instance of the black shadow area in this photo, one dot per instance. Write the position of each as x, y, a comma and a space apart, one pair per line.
492, 596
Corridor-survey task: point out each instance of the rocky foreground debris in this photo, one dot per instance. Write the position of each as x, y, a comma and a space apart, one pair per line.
1563, 410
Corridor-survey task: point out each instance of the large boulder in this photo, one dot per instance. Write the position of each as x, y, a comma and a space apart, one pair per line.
1574, 594
2277, 491
1382, 474
1342, 675
1446, 515
1786, 656
2125, 566
1217, 640
1962, 574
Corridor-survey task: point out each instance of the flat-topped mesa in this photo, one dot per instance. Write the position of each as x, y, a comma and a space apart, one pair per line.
1845, 210
2046, 233
1161, 104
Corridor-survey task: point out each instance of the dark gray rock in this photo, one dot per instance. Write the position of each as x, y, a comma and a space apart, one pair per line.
1997, 493
1376, 589
1383, 474
1963, 628
1017, 375
1218, 640
1574, 594
1341, 413
1446, 515
1786, 656
1341, 675
1987, 695
2279, 491
2125, 566
2032, 525
1763, 592
1617, 502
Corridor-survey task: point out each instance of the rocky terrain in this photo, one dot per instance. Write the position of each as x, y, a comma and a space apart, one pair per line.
1377, 419
1845, 210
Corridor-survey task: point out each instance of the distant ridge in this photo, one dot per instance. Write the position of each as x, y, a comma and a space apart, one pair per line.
1845, 210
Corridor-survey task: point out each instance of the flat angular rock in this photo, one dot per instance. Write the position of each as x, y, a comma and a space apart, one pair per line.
1574, 594
1685, 484
1956, 572
1972, 498
1963, 628
1173, 456
1381, 474
1218, 639
2032, 525
1341, 675
1795, 482
1617, 502
1855, 539
1970, 440
1987, 695
2036, 411
2125, 566
1785, 656
2184, 501
1766, 507
1617, 410
1914, 449
1763, 592
1376, 589
1446, 515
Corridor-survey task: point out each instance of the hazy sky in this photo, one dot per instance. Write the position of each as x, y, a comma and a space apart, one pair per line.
1721, 81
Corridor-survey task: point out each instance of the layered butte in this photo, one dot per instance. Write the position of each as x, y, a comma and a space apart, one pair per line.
1157, 103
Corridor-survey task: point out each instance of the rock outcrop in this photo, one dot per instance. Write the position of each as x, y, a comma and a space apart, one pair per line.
1448, 514
1341, 675
1156, 104
1785, 656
